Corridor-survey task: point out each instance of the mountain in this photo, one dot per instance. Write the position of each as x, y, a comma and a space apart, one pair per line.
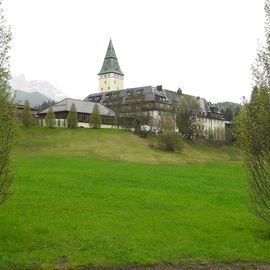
42, 87
34, 98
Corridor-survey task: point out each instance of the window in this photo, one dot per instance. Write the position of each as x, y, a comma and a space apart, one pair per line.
108, 87
82, 117
105, 82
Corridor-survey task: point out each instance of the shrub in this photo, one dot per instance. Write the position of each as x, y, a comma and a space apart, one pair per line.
168, 141
95, 118
27, 118
72, 118
142, 133
50, 118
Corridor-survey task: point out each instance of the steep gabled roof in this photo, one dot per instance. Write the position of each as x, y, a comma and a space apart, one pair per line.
110, 64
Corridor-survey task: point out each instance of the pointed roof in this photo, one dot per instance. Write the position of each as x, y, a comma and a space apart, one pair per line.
110, 64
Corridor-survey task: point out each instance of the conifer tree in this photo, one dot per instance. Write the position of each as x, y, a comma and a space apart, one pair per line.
27, 118
8, 126
72, 118
95, 118
50, 118
228, 114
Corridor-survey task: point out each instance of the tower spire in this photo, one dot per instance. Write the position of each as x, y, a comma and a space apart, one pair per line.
110, 63
110, 76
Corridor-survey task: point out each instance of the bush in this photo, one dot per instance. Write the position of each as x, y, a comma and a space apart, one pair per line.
27, 118
168, 141
72, 117
142, 133
50, 118
95, 118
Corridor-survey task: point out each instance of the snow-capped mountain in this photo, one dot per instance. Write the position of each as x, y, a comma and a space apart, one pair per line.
43, 87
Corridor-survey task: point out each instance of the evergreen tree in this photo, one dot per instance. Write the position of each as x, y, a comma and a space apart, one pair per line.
27, 118
95, 118
50, 118
44, 105
8, 126
228, 114
72, 118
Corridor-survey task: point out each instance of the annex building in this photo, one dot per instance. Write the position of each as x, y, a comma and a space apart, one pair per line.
114, 101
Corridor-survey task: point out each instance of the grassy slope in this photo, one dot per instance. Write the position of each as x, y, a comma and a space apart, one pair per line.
115, 145
72, 198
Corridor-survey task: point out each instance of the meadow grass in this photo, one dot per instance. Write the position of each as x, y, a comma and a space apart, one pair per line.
76, 202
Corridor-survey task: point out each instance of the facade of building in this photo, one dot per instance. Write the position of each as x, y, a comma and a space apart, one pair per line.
155, 101
84, 110
114, 101
110, 76
20, 109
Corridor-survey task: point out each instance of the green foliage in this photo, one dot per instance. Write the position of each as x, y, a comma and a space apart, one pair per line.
8, 126
252, 131
27, 118
261, 67
45, 105
50, 118
186, 112
229, 109
228, 114
95, 118
168, 141
72, 118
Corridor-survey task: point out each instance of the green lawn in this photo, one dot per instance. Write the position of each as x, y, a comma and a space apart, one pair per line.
103, 197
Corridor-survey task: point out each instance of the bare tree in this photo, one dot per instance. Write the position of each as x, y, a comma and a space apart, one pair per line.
186, 116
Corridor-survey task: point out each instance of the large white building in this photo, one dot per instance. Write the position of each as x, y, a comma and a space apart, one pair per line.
153, 100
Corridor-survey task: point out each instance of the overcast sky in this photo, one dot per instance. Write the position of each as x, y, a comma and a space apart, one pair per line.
205, 47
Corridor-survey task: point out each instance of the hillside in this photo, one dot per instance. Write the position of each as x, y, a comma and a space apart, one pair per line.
117, 145
232, 107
